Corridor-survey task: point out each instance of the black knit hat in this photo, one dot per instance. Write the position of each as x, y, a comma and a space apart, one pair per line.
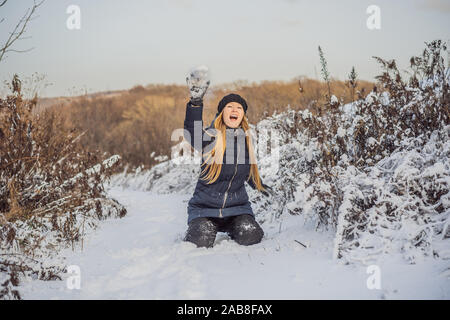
232, 97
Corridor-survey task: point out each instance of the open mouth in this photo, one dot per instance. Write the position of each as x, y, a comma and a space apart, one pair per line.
233, 117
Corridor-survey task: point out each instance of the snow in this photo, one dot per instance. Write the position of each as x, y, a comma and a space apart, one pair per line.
334, 99
372, 141
142, 256
327, 225
341, 132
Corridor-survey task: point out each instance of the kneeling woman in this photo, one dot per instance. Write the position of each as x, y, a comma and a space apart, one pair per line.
220, 202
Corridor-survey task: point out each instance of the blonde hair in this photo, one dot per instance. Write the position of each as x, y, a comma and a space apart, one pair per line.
214, 157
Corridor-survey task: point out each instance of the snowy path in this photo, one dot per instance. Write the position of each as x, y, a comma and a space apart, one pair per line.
142, 257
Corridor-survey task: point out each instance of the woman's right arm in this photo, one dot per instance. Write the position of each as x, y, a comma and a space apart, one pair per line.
198, 83
193, 125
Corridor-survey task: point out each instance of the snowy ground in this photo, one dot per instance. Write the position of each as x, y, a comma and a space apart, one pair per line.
142, 257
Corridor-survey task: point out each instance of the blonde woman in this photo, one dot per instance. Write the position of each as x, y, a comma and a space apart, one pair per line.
220, 202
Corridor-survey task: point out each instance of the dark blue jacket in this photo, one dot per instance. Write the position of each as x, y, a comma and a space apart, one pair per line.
227, 195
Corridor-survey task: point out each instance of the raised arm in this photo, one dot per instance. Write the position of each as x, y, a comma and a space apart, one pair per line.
198, 83
193, 125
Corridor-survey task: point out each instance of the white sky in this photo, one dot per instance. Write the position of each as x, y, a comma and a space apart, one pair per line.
124, 43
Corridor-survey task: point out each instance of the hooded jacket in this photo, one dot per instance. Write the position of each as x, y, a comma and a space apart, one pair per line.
227, 195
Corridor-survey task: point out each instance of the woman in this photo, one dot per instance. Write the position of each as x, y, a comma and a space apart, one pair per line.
220, 202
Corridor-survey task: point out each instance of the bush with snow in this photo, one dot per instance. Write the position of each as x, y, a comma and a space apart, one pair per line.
51, 192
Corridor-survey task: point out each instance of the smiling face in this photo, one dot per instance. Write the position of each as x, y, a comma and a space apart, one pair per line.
233, 114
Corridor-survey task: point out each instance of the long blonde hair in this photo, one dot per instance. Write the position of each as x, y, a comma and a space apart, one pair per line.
214, 157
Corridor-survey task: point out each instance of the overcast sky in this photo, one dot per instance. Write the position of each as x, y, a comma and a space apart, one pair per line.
124, 43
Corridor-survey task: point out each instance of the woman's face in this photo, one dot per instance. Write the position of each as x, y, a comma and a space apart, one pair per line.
233, 114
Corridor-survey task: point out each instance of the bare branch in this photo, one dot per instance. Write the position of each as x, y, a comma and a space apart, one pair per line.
18, 30
19, 51
25, 38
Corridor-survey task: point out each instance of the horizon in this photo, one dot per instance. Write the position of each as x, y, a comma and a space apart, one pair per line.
275, 41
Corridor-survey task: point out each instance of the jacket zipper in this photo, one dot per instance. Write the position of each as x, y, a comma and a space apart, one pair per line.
229, 185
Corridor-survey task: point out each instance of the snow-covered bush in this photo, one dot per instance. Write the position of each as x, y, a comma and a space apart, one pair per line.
399, 205
376, 170
176, 175
51, 192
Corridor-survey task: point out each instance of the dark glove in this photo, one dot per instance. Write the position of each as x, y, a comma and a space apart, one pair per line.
198, 83
269, 191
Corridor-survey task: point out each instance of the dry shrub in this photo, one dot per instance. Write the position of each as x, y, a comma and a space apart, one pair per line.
51, 189
134, 124
268, 97
145, 128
